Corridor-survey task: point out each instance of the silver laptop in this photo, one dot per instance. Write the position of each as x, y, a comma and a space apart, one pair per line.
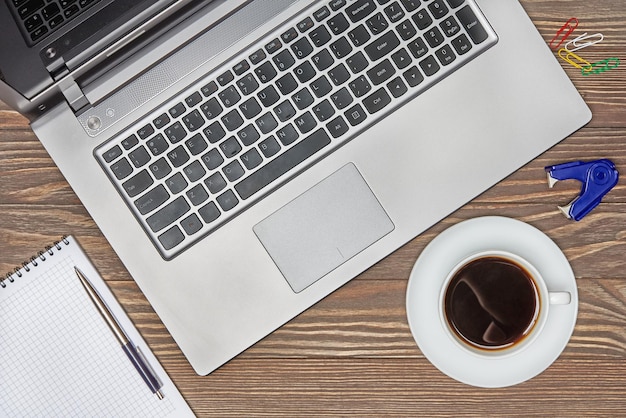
245, 158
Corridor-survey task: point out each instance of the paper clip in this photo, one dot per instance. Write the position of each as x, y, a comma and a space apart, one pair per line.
563, 33
577, 61
601, 66
598, 178
575, 45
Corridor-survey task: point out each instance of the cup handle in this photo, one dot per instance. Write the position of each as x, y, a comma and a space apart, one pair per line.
560, 298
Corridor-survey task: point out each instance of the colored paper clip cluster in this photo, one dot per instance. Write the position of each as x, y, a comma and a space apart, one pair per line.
567, 53
597, 177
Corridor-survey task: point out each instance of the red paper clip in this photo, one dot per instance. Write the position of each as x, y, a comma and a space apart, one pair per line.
564, 32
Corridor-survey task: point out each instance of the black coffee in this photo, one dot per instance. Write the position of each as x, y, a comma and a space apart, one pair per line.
491, 302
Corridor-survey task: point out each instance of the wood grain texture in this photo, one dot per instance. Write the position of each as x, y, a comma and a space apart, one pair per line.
353, 353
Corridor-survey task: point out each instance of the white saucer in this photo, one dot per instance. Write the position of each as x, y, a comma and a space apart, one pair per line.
440, 257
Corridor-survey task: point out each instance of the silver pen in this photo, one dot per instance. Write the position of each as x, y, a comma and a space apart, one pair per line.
127, 345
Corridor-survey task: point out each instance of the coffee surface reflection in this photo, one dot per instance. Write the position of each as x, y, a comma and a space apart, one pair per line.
491, 303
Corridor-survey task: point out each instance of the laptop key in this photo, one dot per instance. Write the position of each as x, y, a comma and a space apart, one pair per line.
191, 224
168, 214
282, 164
338, 23
138, 183
287, 134
145, 131
139, 156
215, 183
429, 65
359, 36
434, 37
377, 23
422, 19
194, 171
461, 44
269, 147
176, 132
381, 73
455, 3
265, 72
341, 48
377, 100
471, 24
382, 46
178, 156
157, 145
152, 200
209, 212
177, 110
197, 195
171, 238
397, 87
360, 10
232, 120
227, 200
324, 110
121, 169
193, 99
284, 60
438, 9
193, 121
229, 96
233, 171
114, 152
355, 115
211, 108
176, 183
337, 4
410, 5
212, 159
160, 168
320, 36
360, 86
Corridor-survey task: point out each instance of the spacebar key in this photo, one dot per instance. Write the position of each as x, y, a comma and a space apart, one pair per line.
283, 163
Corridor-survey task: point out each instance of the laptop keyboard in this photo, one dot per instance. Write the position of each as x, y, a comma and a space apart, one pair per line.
39, 18
217, 148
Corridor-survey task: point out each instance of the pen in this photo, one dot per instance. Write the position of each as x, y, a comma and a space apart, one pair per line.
129, 348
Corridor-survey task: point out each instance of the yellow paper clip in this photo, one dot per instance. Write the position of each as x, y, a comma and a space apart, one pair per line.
575, 60
601, 66
563, 33
575, 44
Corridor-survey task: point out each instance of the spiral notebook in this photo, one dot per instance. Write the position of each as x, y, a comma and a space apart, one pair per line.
57, 355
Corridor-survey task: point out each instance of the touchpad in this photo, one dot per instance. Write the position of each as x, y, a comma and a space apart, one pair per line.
323, 227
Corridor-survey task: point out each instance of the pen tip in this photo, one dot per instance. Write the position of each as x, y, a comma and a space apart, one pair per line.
159, 394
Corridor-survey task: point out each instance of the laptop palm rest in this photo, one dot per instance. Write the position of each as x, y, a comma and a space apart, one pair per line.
324, 227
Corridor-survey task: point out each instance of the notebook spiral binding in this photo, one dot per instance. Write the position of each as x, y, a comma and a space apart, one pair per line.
32, 262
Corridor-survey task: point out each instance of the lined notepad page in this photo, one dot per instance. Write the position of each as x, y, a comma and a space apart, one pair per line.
59, 358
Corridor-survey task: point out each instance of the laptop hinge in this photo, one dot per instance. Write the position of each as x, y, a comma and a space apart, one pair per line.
73, 94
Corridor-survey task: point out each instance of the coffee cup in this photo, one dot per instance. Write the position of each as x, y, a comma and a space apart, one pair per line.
496, 303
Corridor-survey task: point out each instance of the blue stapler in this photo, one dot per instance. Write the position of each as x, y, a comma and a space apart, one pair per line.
598, 178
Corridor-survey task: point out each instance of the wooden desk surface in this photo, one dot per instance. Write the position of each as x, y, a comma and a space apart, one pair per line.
353, 352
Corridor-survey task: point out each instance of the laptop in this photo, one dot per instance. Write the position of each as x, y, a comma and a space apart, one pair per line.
245, 158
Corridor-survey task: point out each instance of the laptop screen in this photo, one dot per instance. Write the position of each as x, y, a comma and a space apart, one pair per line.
43, 41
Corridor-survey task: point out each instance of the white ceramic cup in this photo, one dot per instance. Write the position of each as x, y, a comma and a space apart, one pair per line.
543, 300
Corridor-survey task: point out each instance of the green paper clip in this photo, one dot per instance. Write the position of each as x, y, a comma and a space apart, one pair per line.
601, 66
